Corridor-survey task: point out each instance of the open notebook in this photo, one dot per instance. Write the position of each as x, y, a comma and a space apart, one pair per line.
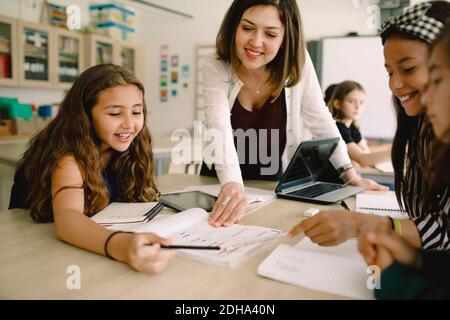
380, 204
191, 227
338, 270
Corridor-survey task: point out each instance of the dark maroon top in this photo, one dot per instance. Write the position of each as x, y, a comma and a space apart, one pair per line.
257, 127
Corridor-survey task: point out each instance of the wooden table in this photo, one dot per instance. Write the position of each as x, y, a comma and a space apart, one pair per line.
34, 264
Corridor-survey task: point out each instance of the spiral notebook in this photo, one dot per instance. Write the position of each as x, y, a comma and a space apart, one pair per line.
380, 205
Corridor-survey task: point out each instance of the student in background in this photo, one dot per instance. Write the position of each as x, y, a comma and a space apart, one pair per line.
409, 273
329, 92
346, 105
406, 39
262, 82
97, 150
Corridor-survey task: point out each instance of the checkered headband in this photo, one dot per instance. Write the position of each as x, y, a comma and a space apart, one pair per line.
415, 22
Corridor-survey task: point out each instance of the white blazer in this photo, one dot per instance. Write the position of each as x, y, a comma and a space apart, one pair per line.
307, 115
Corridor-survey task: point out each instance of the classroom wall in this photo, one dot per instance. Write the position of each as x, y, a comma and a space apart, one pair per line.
182, 36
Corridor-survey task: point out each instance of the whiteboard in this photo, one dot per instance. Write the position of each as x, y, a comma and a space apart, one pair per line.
361, 59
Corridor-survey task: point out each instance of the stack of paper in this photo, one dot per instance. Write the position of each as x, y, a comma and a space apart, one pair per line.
124, 213
339, 270
191, 227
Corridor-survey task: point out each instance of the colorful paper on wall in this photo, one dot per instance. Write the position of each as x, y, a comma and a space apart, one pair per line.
163, 96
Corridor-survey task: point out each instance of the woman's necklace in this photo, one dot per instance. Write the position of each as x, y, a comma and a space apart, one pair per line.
258, 91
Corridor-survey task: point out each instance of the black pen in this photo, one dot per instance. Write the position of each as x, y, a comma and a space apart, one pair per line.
343, 204
177, 246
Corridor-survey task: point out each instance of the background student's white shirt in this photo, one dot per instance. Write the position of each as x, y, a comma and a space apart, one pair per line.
307, 115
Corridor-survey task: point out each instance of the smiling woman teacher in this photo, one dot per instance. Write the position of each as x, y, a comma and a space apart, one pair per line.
261, 93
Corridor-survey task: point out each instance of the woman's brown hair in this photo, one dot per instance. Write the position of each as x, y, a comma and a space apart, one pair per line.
340, 91
285, 69
71, 133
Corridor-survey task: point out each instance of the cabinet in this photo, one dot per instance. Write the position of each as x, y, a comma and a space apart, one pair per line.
101, 49
37, 63
8, 49
69, 52
40, 56
131, 57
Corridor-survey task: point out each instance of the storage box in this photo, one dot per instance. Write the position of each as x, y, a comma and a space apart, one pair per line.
6, 127
111, 12
15, 109
22, 126
115, 30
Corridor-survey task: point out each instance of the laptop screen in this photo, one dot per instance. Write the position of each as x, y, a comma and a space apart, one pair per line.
308, 161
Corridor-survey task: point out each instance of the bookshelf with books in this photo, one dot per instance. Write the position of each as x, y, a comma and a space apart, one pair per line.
8, 48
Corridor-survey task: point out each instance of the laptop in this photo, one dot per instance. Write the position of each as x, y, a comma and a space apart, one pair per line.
301, 180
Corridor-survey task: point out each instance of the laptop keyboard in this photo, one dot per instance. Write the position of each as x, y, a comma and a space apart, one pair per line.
316, 190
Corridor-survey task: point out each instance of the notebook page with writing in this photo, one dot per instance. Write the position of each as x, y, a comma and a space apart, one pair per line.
380, 204
224, 237
191, 227
338, 270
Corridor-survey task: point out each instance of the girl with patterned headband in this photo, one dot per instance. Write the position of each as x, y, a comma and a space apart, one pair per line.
409, 273
406, 39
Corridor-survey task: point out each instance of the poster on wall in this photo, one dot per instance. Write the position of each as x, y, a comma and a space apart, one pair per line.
164, 66
185, 73
163, 96
174, 61
173, 74
163, 81
174, 77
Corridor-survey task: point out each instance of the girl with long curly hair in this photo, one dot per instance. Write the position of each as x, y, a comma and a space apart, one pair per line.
95, 151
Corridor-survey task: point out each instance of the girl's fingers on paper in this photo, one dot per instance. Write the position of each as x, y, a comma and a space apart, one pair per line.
328, 244
305, 225
320, 239
316, 230
296, 230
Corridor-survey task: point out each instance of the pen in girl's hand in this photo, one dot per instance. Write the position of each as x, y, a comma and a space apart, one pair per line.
176, 246
180, 246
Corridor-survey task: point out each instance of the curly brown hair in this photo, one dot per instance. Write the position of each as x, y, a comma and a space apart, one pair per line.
71, 133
